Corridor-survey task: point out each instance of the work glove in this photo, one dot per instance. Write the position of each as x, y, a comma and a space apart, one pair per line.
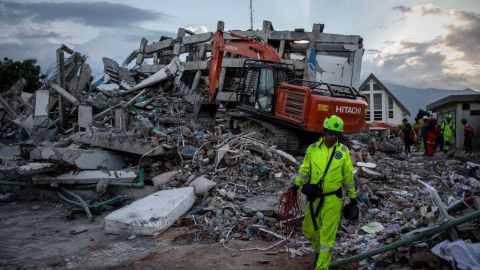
311, 190
350, 211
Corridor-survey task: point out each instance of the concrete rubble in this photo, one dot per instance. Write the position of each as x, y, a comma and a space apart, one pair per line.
151, 214
131, 132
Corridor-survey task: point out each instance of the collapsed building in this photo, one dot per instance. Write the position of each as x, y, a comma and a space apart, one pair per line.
134, 128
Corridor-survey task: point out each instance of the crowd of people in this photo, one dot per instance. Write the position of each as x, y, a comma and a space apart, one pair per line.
430, 135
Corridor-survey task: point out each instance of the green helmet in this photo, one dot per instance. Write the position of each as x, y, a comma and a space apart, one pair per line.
464, 121
449, 116
333, 123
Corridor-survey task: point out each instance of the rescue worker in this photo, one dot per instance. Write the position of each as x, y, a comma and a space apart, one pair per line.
325, 169
447, 128
423, 132
431, 137
469, 134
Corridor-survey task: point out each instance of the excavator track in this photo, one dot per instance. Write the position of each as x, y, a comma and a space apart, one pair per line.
281, 136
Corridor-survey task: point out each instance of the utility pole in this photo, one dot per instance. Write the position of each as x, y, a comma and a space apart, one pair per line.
251, 15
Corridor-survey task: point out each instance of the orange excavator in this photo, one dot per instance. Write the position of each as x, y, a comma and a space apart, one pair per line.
278, 107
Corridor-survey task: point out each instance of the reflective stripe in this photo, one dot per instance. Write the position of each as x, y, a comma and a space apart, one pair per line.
326, 249
349, 186
303, 176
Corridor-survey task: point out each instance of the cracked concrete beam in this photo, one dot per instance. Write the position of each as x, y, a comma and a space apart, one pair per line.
119, 142
161, 45
198, 38
167, 72
86, 177
35, 168
64, 93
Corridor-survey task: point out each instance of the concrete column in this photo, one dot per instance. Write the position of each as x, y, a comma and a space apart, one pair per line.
281, 49
61, 82
196, 79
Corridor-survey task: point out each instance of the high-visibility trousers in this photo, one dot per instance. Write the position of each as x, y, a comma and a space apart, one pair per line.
328, 220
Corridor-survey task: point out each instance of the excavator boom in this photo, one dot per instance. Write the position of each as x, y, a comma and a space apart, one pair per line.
248, 47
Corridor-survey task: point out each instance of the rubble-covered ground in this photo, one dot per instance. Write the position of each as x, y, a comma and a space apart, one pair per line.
75, 151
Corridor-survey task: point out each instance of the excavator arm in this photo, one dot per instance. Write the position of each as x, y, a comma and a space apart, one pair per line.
246, 46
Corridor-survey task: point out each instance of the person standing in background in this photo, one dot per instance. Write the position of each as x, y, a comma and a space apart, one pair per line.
468, 136
407, 134
447, 129
431, 137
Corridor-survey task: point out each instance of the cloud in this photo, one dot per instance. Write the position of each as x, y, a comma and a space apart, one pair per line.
36, 30
102, 14
116, 44
429, 9
197, 29
403, 9
465, 36
34, 34
450, 60
372, 51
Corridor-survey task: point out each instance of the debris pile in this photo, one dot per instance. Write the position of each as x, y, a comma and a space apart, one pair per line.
97, 142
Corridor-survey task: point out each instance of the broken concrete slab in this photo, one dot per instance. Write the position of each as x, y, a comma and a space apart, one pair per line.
35, 168
9, 151
132, 193
119, 142
91, 159
9, 108
86, 177
25, 122
266, 204
152, 214
163, 179
42, 99
161, 75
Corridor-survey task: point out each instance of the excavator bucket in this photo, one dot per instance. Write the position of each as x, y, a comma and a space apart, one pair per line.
207, 113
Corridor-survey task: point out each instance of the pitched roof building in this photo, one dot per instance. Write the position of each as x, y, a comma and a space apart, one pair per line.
384, 109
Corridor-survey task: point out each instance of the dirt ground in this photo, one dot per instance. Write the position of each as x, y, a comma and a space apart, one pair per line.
38, 234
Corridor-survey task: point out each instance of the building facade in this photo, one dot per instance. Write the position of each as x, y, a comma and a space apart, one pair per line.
459, 106
384, 109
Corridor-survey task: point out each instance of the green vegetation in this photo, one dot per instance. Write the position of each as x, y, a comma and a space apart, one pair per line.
11, 71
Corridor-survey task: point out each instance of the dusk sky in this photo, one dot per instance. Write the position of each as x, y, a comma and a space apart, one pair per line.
414, 43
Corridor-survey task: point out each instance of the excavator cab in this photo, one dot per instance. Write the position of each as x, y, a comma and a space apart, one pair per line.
258, 83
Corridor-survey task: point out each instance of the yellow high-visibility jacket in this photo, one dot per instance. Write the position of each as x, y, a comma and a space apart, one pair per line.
339, 173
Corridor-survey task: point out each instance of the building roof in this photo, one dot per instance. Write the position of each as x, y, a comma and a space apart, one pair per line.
453, 99
371, 76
